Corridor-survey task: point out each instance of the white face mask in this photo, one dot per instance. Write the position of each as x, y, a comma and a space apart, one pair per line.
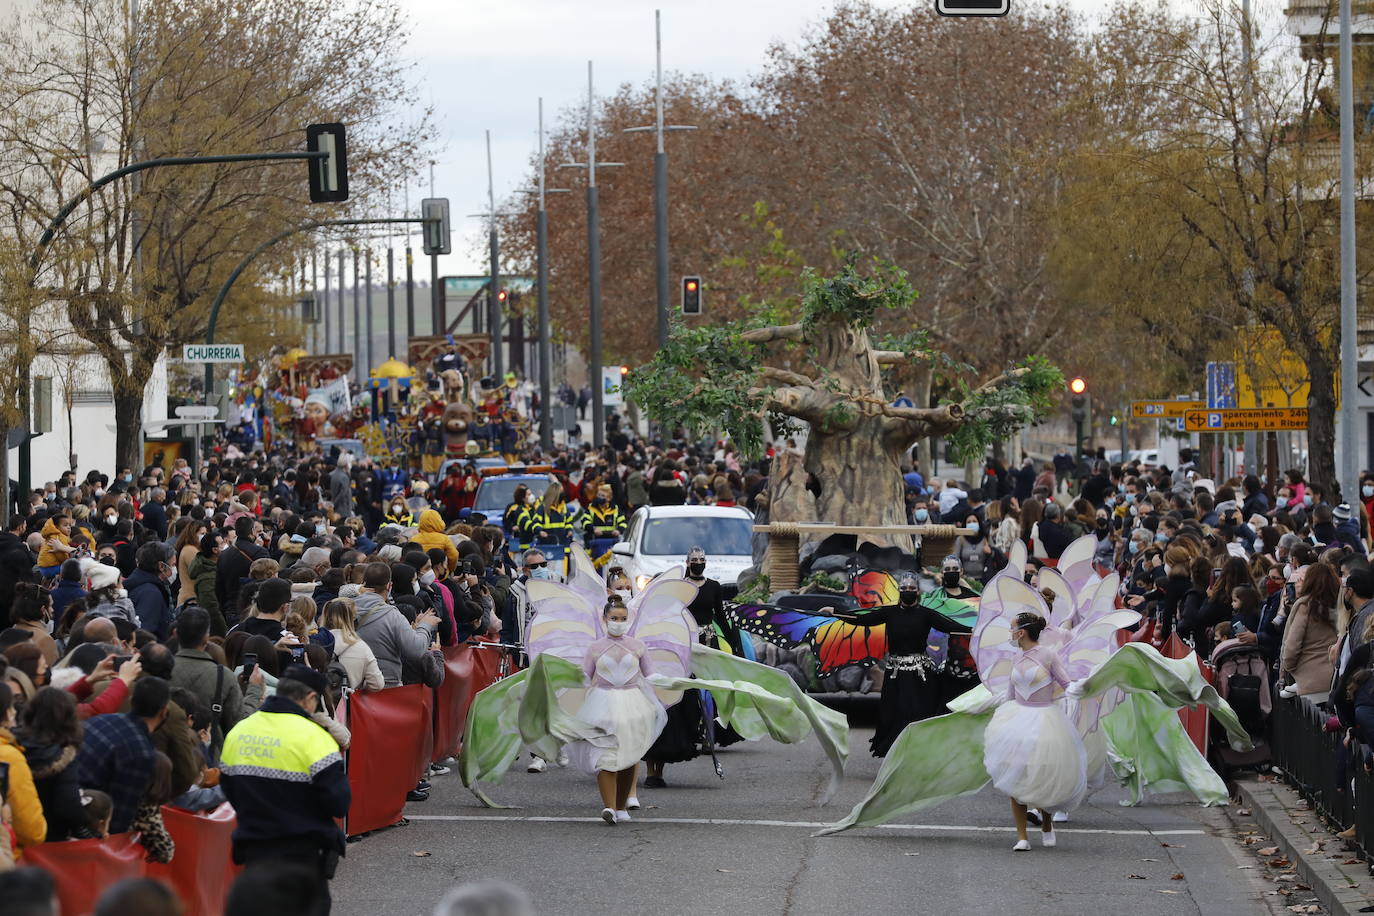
624, 593
617, 627
427, 577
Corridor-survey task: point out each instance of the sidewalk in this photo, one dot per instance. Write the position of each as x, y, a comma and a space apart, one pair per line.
1305, 858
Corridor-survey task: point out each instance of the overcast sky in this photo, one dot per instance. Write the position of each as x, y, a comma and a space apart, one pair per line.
483, 65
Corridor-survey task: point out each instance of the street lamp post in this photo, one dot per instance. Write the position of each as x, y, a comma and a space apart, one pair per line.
1348, 472
542, 284
593, 264
660, 184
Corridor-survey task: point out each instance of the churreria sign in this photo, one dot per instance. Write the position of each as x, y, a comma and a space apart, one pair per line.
212, 353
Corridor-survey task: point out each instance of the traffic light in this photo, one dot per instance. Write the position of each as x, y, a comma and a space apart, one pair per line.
624, 371
691, 295
329, 175
501, 297
1078, 386
435, 231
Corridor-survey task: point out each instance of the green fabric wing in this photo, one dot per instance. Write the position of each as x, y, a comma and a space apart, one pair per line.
520, 709
931, 762
1177, 682
956, 610
759, 701
1150, 751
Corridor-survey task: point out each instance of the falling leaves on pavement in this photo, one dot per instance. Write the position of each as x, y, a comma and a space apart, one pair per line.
1136, 877
420, 854
1280, 862
1176, 876
1268, 850
1244, 812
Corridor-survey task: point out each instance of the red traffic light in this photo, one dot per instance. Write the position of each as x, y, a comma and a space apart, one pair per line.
691, 286
1078, 385
501, 296
624, 370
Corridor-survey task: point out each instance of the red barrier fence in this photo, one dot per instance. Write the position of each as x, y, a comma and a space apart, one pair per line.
389, 728
396, 733
201, 871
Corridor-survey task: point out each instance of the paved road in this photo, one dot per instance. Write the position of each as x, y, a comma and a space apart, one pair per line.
707, 846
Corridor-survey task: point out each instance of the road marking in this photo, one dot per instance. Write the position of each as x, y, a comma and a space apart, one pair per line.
808, 825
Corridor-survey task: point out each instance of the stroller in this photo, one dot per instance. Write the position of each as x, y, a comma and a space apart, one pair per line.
1241, 676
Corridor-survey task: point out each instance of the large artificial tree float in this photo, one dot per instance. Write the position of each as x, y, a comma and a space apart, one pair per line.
825, 371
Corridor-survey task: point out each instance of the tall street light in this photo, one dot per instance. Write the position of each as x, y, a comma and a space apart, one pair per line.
542, 283
593, 264
660, 183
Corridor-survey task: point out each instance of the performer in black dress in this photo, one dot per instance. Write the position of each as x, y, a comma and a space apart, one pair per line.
911, 689
686, 729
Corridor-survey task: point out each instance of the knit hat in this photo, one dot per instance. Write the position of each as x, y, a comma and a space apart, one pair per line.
102, 576
1342, 512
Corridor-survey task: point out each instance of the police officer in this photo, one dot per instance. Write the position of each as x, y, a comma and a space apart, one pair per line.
285, 777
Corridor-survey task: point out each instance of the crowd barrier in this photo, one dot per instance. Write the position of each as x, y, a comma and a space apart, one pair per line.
200, 871
396, 733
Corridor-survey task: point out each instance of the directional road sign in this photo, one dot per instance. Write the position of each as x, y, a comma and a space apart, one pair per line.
1163, 410
1268, 419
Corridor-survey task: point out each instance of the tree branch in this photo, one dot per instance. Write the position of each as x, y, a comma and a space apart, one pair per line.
768, 335
992, 384
891, 357
787, 376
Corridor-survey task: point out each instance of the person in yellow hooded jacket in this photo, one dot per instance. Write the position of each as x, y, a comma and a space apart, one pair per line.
431, 535
26, 811
57, 544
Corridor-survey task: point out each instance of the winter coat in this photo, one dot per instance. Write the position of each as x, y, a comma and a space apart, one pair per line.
63, 594
1306, 638
27, 820
152, 600
431, 535
47, 557
392, 639
16, 565
203, 572
358, 663
59, 789
215, 686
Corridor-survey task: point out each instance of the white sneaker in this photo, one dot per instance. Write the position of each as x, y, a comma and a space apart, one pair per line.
622, 816
1047, 839
1061, 817
1021, 846
632, 804
562, 758
537, 765
608, 815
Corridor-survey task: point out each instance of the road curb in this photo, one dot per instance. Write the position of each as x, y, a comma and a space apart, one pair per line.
1285, 817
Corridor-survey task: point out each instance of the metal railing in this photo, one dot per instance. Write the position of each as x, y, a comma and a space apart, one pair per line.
1322, 770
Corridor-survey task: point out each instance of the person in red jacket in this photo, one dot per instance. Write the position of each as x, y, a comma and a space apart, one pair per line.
113, 696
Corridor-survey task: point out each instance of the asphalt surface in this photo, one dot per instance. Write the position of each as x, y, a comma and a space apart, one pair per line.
743, 844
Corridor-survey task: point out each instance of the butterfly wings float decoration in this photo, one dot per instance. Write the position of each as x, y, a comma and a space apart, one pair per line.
835, 643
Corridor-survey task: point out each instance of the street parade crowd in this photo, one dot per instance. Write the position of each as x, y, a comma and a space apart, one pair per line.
162, 629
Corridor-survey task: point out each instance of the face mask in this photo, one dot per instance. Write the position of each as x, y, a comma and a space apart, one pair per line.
1109, 502
397, 509
51, 496
415, 588
1307, 500
623, 593
950, 578
1161, 538
617, 627
922, 516
111, 518
1121, 488
128, 478
696, 568
541, 572
973, 526
99, 492
1102, 524
1367, 490
529, 499
1134, 510
427, 577
1133, 546
909, 596
319, 529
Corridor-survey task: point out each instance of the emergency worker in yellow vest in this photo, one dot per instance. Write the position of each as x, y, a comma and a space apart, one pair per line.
285, 777
603, 524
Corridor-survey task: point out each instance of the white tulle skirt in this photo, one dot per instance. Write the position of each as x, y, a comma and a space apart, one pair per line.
1034, 754
632, 718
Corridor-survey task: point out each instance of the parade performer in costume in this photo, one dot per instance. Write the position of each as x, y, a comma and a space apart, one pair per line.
1028, 669
911, 690
593, 662
958, 674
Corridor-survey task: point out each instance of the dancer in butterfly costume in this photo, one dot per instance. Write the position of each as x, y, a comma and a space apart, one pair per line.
1058, 699
602, 674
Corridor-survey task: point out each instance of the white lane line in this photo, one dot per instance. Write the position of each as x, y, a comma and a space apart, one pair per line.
808, 825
